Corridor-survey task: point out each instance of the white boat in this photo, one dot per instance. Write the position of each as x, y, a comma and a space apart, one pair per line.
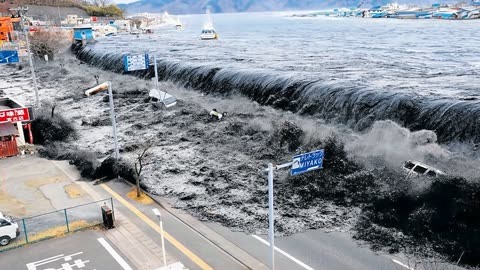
178, 24
208, 32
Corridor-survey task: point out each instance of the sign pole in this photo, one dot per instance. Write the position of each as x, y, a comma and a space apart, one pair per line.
112, 116
271, 231
32, 68
156, 71
300, 164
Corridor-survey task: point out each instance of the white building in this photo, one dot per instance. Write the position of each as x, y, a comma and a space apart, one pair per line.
123, 25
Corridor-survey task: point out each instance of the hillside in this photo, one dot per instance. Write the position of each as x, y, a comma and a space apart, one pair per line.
55, 9
218, 6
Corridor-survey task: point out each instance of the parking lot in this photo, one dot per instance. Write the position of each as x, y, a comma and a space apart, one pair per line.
44, 200
86, 250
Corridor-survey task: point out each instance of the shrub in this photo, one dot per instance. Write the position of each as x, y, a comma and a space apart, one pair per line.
49, 42
84, 161
47, 129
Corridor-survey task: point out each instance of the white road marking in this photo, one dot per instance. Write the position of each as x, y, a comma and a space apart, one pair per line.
33, 265
114, 254
402, 264
51, 259
283, 253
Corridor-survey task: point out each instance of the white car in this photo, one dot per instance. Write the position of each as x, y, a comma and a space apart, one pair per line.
417, 168
8, 229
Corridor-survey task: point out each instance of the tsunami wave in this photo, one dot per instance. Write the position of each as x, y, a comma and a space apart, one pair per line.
355, 105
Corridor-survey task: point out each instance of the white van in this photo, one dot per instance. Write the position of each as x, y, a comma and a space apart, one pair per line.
417, 168
8, 229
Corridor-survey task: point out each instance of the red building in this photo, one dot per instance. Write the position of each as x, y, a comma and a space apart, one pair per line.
20, 116
8, 142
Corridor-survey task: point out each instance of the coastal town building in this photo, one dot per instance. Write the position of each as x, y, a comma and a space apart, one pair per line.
6, 29
15, 113
8, 143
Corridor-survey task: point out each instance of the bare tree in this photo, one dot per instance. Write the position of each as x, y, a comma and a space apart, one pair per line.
142, 160
100, 3
49, 42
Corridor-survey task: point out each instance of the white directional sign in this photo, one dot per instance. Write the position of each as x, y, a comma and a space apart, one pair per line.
135, 62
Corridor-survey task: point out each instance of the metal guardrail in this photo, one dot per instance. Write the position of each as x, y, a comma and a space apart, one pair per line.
58, 223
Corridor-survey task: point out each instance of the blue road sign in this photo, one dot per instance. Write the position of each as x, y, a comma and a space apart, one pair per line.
307, 162
135, 62
8, 57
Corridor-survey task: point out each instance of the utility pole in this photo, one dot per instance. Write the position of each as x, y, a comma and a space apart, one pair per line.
22, 11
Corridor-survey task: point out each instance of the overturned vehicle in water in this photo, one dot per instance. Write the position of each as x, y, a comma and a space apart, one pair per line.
416, 168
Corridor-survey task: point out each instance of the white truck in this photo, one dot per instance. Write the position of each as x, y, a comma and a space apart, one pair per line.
8, 229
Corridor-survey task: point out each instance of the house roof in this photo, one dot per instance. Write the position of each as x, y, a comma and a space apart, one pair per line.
7, 129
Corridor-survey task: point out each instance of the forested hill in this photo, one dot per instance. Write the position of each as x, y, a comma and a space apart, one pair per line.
217, 6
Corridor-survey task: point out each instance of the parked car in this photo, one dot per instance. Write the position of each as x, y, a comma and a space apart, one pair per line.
414, 168
8, 229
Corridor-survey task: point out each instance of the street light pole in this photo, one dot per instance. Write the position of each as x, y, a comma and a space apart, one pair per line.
159, 215
112, 116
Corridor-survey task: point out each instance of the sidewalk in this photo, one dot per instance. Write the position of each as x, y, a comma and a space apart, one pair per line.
139, 248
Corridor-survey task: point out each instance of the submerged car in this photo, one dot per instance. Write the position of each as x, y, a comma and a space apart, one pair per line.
414, 168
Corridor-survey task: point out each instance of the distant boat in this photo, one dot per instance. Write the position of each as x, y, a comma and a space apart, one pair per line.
208, 32
147, 30
178, 24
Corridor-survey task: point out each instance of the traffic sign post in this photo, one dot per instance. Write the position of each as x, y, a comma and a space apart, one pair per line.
307, 162
271, 219
300, 164
156, 70
9, 56
135, 62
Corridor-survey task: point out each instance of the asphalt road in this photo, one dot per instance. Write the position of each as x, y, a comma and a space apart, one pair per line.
322, 250
81, 250
310, 250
